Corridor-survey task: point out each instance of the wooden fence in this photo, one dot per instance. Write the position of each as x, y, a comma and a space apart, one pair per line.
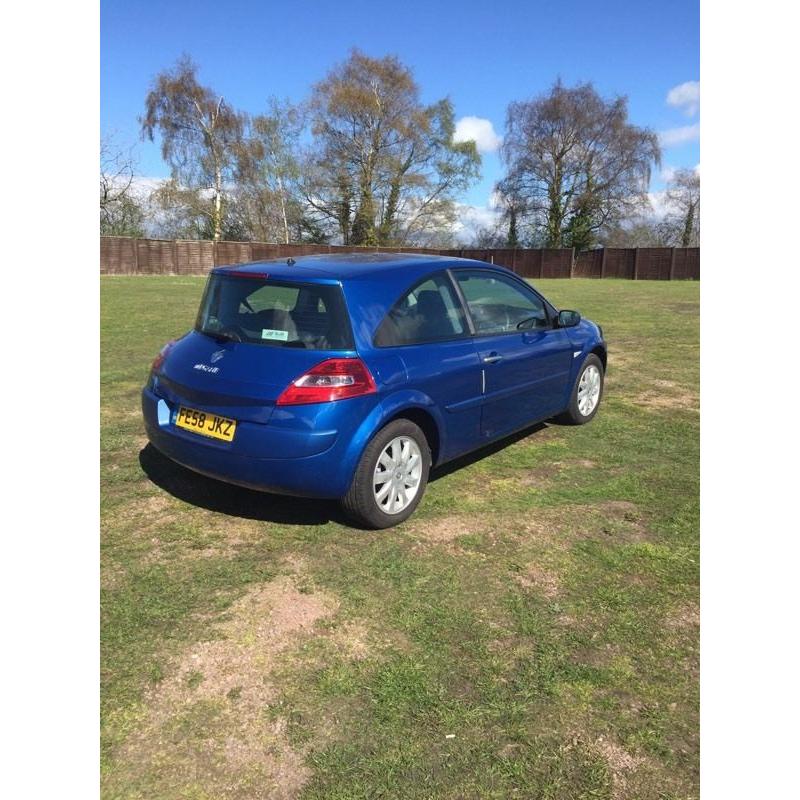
124, 256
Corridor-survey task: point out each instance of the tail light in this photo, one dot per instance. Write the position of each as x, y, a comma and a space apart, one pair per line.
158, 361
334, 379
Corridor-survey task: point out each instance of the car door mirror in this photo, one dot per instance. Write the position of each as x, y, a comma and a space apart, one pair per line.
567, 319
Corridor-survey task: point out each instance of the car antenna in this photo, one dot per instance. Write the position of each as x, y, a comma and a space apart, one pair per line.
290, 262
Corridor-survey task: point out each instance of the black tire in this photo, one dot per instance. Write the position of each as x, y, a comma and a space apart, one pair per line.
573, 415
359, 503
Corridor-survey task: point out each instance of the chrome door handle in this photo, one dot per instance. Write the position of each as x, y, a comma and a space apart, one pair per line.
492, 359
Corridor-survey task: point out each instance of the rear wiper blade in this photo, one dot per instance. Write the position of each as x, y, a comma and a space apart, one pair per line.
222, 336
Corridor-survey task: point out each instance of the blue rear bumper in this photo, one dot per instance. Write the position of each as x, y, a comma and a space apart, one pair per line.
309, 456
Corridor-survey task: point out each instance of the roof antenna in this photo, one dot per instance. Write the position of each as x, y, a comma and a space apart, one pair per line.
290, 262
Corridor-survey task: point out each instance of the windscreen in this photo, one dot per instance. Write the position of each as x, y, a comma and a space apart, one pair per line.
275, 313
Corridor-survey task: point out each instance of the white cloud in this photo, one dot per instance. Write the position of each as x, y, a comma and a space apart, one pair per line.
685, 96
471, 219
659, 204
479, 130
667, 173
143, 186
675, 136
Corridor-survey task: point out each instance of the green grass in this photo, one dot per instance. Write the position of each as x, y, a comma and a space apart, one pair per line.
530, 632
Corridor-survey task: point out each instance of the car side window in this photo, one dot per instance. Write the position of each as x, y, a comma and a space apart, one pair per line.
498, 305
428, 312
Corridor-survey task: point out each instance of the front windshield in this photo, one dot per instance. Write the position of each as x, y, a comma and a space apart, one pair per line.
275, 313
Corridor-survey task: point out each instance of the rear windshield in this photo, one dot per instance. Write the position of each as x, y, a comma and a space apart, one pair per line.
274, 313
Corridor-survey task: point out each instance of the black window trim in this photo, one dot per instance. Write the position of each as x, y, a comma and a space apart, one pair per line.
549, 310
469, 328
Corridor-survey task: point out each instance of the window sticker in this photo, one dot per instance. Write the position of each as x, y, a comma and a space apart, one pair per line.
268, 333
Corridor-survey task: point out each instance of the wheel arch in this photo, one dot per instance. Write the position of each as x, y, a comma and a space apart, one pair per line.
601, 353
427, 424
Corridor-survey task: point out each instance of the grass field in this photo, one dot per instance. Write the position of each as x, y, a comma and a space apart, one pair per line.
532, 631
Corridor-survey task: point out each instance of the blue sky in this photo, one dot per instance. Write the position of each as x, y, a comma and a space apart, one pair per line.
480, 54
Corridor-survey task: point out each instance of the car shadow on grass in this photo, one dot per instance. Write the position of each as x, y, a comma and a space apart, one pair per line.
235, 501
484, 452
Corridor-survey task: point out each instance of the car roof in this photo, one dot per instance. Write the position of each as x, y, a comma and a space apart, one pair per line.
349, 266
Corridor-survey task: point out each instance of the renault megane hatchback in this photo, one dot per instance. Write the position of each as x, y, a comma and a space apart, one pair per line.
349, 377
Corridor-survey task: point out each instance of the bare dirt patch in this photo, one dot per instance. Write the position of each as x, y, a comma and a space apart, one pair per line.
616, 519
668, 395
684, 618
620, 763
540, 477
352, 640
622, 358
557, 528
537, 577
446, 529
151, 512
112, 576
151, 518
207, 726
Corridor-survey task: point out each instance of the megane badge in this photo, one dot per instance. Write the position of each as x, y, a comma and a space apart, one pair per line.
217, 356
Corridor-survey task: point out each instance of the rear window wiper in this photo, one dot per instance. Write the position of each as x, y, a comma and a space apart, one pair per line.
223, 336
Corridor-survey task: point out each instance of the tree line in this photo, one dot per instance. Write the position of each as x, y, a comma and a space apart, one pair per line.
363, 161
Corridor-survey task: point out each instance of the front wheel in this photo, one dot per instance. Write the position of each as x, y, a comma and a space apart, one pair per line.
391, 476
586, 394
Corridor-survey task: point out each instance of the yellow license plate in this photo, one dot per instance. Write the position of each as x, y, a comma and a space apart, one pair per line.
206, 424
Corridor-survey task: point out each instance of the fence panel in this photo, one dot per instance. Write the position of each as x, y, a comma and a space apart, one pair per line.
619, 263
556, 263
155, 257
687, 264
528, 263
588, 264
194, 258
232, 253
654, 263
125, 256
117, 255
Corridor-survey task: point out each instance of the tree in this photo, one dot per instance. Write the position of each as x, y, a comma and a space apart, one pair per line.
486, 237
683, 201
384, 168
181, 213
642, 232
200, 137
120, 213
576, 164
267, 173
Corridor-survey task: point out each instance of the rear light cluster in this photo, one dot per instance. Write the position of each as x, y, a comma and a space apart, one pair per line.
334, 379
158, 361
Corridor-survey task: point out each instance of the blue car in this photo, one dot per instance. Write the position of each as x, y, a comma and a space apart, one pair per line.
349, 377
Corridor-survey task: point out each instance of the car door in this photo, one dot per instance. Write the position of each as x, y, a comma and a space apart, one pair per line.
525, 360
427, 328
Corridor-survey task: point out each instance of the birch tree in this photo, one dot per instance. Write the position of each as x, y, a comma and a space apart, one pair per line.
200, 134
683, 202
267, 173
576, 163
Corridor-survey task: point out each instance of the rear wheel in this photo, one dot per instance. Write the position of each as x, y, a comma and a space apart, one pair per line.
391, 476
586, 394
